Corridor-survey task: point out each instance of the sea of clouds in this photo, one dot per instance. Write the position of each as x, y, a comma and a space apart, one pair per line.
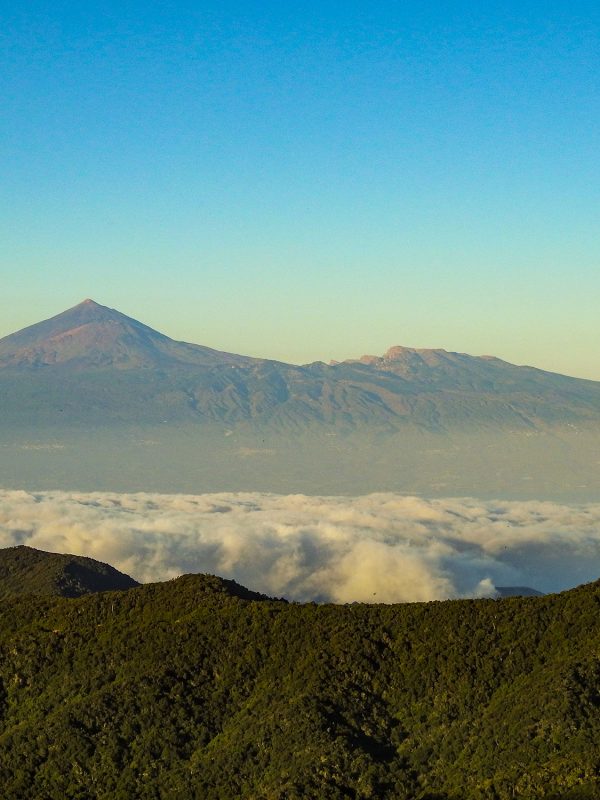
375, 548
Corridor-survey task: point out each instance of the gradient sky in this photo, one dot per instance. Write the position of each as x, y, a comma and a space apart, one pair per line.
308, 181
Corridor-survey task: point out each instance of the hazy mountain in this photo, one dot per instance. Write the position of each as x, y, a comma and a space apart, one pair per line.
192, 689
25, 570
93, 364
91, 335
91, 382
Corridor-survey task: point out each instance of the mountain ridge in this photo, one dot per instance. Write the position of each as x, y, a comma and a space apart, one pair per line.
182, 690
26, 570
94, 364
18, 348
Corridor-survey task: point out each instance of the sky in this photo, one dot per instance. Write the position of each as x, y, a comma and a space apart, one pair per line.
308, 181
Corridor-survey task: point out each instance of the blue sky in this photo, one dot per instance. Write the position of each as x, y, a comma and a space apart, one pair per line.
308, 181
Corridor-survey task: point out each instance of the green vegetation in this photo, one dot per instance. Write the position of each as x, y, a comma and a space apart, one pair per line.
25, 570
196, 688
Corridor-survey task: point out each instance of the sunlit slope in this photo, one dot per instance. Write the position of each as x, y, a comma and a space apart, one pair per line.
186, 689
94, 366
91, 335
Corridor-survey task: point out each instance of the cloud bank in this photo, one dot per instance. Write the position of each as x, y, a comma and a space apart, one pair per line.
373, 548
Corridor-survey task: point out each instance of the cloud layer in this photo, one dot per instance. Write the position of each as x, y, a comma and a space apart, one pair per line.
374, 548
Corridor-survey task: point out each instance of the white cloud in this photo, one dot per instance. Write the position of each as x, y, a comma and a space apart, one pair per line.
379, 547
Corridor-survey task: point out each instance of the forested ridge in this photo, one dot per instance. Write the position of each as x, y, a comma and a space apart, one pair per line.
26, 570
197, 688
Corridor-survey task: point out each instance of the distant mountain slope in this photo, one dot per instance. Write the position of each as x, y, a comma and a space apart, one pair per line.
91, 335
440, 369
94, 366
187, 690
25, 570
517, 591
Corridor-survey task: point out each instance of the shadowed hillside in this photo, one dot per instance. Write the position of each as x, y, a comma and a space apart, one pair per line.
25, 570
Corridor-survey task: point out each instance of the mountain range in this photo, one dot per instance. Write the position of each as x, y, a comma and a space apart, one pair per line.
93, 369
98, 365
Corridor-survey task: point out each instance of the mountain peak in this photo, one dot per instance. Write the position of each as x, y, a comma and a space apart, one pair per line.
91, 306
93, 335
398, 354
398, 351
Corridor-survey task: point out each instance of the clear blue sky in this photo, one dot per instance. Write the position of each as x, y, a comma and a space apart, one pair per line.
308, 181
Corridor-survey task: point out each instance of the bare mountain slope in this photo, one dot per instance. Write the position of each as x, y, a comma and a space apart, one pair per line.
92, 365
91, 335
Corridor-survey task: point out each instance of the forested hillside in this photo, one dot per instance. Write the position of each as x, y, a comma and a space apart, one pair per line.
196, 688
26, 570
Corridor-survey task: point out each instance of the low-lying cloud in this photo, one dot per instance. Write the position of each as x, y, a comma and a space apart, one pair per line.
374, 548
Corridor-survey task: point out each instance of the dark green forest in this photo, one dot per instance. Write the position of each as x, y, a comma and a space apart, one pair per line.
197, 688
25, 570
